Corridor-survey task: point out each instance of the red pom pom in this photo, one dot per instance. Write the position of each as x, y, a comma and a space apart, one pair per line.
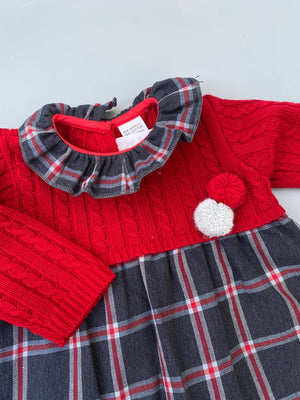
228, 189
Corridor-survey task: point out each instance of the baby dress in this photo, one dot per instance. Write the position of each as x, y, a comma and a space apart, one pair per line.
144, 255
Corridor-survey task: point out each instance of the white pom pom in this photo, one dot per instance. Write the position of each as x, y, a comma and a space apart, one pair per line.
213, 219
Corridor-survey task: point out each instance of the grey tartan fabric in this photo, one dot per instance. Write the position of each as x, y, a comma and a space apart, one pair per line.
75, 172
216, 320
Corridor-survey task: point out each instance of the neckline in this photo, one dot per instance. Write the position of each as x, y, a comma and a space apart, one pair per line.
65, 167
103, 126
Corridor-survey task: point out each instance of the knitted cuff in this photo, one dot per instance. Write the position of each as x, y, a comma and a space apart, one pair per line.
48, 284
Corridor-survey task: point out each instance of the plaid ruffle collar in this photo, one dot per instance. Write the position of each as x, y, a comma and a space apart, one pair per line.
179, 102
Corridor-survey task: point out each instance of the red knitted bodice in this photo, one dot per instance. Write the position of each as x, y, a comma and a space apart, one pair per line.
259, 141
248, 138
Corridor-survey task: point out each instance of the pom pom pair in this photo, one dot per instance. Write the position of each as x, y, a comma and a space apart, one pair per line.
214, 215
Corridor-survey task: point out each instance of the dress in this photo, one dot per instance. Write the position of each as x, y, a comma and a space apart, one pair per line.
158, 266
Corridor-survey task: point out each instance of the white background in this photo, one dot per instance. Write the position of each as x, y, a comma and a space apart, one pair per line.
80, 52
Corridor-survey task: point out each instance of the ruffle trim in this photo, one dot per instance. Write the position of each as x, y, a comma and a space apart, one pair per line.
61, 166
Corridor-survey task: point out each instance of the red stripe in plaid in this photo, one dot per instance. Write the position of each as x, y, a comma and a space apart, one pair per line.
141, 388
159, 154
73, 387
54, 166
20, 363
264, 343
186, 94
204, 344
116, 359
276, 278
17, 359
29, 128
242, 330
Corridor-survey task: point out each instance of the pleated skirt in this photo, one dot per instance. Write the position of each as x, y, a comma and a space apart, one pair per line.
215, 320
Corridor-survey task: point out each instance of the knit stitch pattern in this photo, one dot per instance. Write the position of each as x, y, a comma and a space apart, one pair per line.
48, 284
55, 249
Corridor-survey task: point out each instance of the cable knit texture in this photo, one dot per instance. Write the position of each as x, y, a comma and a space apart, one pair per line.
56, 249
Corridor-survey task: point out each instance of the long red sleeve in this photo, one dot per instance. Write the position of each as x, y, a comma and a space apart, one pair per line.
48, 284
264, 134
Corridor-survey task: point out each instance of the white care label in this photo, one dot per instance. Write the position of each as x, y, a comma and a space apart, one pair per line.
132, 132
135, 126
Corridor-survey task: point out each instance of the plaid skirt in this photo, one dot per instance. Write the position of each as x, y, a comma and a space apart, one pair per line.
216, 320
